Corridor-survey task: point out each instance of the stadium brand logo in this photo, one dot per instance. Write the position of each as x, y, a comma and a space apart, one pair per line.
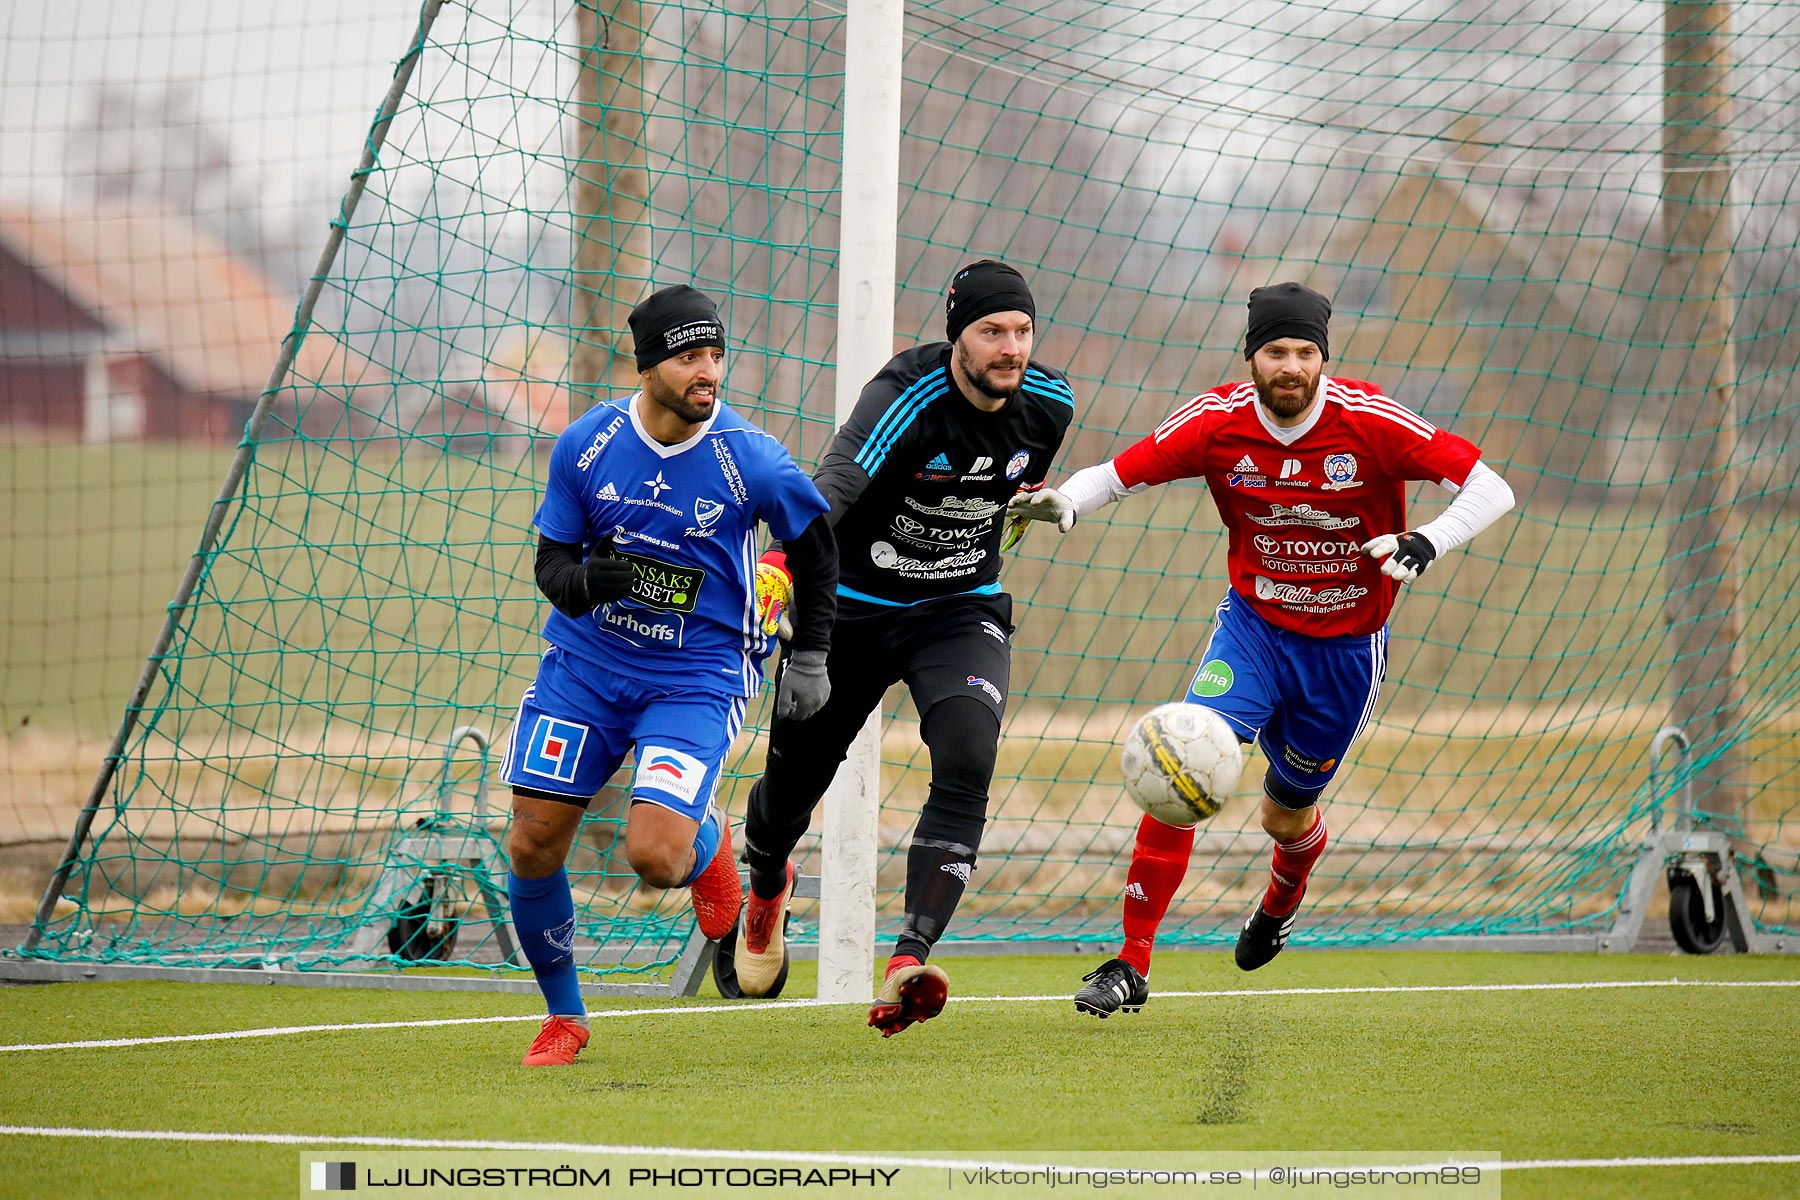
961, 870
982, 462
554, 749
1303, 514
598, 444
1135, 891
665, 769
668, 586
728, 467
624, 537
955, 508
993, 693
609, 492
1307, 549
993, 631
1265, 543
1340, 472
905, 524
962, 562
657, 486
1302, 762
941, 462
334, 1177
1290, 467
1213, 679
1246, 474
1015, 466
1310, 566
1293, 593
693, 331
707, 511
623, 621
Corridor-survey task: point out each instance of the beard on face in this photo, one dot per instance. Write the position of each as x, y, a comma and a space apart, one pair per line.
682, 403
1284, 405
983, 380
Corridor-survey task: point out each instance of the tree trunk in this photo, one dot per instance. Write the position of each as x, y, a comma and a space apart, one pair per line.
1697, 363
611, 196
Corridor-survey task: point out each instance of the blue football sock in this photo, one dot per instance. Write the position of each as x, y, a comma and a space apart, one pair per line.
543, 912
706, 844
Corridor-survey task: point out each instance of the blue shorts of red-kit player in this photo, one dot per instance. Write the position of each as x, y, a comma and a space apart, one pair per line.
1304, 700
577, 723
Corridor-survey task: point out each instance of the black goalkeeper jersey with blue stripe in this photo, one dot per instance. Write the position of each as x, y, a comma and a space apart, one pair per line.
918, 478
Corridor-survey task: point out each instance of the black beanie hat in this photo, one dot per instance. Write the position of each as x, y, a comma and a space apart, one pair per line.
673, 321
983, 288
1287, 310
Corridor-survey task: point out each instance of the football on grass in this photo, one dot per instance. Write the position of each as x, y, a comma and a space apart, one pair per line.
1181, 762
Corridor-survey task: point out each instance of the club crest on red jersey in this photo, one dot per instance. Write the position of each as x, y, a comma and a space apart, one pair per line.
1340, 472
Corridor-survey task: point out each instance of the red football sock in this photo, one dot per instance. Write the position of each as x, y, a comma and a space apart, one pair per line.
901, 960
1158, 861
1289, 866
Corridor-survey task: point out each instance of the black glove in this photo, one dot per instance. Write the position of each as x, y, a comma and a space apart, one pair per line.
805, 685
605, 578
1407, 554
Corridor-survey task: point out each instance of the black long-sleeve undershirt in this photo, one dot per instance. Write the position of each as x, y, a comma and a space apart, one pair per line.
812, 560
558, 574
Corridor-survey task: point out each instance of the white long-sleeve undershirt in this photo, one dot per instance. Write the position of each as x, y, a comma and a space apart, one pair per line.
1483, 498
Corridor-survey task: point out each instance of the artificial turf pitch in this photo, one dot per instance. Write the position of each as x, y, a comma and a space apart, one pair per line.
1533, 1073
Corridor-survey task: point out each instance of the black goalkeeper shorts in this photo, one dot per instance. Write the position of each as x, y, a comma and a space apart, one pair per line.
956, 646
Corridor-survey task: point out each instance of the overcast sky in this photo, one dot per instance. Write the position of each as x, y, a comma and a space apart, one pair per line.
296, 84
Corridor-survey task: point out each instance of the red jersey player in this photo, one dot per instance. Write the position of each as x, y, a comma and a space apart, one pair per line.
1308, 473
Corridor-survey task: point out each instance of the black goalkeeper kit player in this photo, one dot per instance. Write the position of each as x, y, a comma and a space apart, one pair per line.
918, 480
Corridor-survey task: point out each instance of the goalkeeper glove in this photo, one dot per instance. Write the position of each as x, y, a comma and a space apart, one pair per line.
1407, 555
805, 685
605, 578
774, 592
1017, 527
1045, 504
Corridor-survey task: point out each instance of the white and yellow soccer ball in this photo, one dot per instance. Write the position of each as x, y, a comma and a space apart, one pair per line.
1181, 763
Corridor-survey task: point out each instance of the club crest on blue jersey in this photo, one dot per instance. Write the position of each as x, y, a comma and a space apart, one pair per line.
555, 749
1015, 466
707, 511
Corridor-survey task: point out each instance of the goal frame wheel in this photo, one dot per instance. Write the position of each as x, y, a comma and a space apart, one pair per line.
1687, 910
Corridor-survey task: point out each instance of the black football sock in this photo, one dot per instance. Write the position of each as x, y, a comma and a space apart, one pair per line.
936, 874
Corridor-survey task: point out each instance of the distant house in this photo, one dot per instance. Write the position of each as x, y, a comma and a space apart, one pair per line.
132, 324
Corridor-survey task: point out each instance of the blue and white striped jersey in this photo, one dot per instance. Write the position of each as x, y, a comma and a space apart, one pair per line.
685, 517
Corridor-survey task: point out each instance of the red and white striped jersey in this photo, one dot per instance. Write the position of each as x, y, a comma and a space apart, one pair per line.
1298, 503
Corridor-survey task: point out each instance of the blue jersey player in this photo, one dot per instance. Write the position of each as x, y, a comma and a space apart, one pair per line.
647, 552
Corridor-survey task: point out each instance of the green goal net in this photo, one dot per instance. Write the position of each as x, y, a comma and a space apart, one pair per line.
1568, 235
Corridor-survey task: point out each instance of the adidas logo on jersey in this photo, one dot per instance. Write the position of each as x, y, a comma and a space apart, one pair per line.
609, 492
959, 869
940, 463
1135, 891
1247, 464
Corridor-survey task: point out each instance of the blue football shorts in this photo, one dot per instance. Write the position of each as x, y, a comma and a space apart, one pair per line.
577, 722
1304, 700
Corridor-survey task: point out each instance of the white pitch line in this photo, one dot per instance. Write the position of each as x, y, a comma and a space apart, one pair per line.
826, 1158
776, 1005
287, 1030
